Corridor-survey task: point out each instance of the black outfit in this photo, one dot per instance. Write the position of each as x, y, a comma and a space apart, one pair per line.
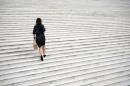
39, 30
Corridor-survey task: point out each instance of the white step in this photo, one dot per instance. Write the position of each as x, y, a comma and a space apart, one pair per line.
68, 49
109, 48
84, 41
72, 76
112, 80
88, 43
121, 83
27, 70
64, 60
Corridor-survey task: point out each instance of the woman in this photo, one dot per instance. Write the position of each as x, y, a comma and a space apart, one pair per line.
39, 37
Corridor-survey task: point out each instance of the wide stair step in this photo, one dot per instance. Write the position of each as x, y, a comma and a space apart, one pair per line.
87, 43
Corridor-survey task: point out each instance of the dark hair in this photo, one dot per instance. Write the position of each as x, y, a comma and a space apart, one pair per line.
38, 21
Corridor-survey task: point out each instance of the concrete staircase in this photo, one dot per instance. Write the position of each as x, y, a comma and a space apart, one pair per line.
88, 43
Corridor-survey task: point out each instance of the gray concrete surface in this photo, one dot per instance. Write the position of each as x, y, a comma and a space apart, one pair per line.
88, 43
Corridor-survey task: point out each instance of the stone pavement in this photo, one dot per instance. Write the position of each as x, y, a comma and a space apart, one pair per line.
88, 43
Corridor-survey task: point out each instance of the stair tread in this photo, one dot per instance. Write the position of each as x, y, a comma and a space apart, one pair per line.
87, 43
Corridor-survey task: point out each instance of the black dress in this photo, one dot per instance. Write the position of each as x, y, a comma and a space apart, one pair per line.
40, 37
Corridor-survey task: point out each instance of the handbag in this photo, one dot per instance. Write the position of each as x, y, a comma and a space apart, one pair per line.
35, 47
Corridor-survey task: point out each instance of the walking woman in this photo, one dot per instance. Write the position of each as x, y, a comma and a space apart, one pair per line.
39, 37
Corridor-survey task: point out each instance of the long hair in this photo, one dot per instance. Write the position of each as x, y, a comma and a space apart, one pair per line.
38, 21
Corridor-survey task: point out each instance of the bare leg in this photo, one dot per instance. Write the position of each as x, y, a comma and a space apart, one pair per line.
44, 50
41, 53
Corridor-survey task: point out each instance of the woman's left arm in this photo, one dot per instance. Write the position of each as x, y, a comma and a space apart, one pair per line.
44, 29
34, 33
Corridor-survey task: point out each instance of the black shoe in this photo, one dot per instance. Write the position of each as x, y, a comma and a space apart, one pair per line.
44, 55
41, 58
